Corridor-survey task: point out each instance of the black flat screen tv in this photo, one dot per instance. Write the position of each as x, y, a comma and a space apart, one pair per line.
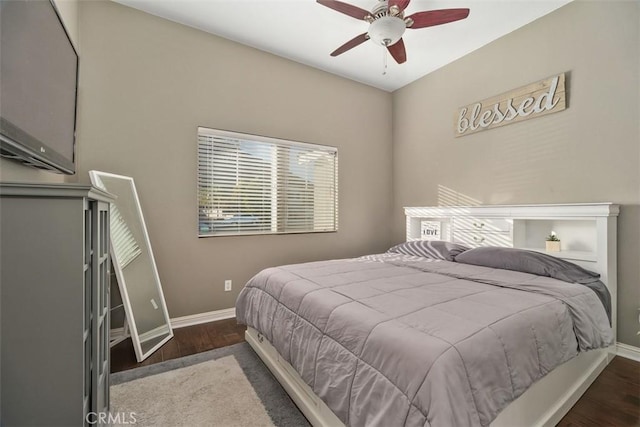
38, 86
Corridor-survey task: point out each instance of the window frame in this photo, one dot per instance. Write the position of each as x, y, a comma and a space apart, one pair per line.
280, 142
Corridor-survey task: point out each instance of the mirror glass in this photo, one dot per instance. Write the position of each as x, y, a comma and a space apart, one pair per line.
135, 268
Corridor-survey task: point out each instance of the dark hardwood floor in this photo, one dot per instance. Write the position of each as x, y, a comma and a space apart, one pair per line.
613, 400
185, 341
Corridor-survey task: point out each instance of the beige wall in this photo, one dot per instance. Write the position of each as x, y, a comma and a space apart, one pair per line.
12, 170
587, 153
145, 86
68, 10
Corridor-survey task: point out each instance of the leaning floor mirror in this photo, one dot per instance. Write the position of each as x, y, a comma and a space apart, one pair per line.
145, 308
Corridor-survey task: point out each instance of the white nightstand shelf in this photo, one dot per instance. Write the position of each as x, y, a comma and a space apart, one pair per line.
569, 255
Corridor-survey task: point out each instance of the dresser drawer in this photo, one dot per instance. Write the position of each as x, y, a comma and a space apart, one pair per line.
483, 224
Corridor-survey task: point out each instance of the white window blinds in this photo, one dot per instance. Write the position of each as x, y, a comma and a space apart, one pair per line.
257, 185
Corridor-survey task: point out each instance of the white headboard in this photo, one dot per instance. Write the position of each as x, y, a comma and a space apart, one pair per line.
587, 231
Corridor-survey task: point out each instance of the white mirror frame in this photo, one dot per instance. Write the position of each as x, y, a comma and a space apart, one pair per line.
130, 316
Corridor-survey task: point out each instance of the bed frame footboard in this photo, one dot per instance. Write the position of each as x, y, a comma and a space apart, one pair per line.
313, 408
543, 404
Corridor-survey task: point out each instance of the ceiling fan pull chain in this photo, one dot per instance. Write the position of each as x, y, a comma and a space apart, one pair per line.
384, 62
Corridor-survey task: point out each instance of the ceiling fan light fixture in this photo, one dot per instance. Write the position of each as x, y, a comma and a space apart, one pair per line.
387, 30
387, 24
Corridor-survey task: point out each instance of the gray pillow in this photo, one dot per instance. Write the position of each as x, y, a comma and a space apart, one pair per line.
539, 264
434, 249
527, 262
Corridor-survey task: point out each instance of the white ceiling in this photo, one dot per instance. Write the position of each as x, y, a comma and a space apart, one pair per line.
307, 32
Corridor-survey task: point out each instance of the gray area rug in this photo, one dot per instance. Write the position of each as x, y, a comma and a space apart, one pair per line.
229, 386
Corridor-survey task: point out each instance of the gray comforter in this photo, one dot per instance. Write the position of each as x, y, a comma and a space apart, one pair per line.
394, 340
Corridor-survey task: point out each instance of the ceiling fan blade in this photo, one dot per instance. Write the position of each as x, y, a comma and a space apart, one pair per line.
400, 4
436, 17
398, 51
347, 9
351, 44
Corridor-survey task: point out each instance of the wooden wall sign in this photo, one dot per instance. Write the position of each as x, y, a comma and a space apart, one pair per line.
534, 100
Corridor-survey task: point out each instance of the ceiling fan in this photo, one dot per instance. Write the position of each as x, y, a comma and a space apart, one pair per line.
387, 23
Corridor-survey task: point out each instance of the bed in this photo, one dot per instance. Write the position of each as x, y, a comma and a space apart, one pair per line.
434, 333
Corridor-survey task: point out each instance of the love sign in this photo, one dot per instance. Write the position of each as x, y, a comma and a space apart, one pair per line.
534, 100
430, 230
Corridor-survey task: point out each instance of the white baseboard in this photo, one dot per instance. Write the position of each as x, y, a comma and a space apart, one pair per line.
117, 332
117, 335
196, 319
628, 351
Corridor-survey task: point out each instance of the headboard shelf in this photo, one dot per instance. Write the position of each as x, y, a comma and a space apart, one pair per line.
548, 211
584, 256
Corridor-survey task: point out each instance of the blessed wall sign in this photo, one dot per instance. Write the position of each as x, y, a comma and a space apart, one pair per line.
534, 100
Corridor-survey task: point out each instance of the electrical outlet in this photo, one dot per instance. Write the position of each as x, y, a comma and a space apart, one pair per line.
227, 285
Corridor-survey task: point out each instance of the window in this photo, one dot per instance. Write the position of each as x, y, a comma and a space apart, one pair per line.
251, 184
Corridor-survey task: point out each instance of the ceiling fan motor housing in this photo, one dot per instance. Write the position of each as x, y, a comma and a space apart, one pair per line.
387, 30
